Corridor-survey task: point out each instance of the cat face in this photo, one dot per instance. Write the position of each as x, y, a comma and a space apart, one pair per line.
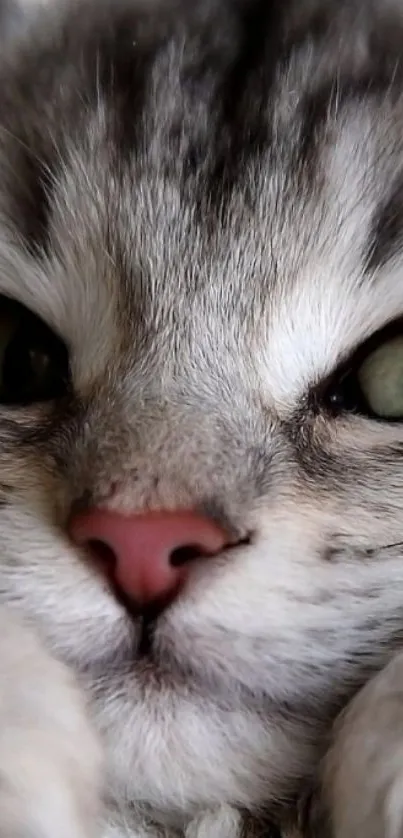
200, 235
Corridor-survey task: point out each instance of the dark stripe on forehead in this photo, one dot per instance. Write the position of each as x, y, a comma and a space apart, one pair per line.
95, 56
243, 125
253, 70
27, 183
247, 94
112, 58
386, 234
33, 206
125, 57
320, 107
26, 177
230, 52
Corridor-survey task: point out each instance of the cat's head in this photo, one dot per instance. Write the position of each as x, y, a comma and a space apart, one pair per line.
201, 215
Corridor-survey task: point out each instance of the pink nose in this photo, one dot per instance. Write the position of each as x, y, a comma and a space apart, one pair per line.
148, 554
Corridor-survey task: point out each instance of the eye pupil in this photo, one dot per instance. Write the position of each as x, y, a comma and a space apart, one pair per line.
39, 363
345, 395
33, 361
24, 368
336, 399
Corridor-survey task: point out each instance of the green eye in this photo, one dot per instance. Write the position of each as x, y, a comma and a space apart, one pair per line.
33, 361
372, 385
380, 378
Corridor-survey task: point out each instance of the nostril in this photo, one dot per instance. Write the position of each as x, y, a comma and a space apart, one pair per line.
101, 553
188, 553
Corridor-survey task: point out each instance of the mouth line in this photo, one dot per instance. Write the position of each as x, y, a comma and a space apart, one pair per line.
146, 640
144, 620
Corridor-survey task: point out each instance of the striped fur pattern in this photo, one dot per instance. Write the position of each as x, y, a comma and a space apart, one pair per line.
204, 201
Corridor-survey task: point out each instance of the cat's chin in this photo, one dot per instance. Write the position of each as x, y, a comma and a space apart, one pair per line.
165, 731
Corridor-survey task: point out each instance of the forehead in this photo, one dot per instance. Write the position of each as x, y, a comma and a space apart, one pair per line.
192, 202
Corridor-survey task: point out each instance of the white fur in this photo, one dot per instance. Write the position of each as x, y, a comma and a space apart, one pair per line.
50, 761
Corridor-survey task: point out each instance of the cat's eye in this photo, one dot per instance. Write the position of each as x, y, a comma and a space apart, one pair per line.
34, 364
381, 379
374, 385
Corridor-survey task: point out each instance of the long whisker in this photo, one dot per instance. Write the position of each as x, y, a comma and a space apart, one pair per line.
388, 546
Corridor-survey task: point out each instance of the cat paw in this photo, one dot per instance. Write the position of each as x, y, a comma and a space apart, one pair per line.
50, 761
222, 822
361, 791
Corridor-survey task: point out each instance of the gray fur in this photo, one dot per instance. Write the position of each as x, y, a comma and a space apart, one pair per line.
203, 201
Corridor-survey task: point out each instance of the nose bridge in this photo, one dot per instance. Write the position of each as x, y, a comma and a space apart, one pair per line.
169, 440
166, 410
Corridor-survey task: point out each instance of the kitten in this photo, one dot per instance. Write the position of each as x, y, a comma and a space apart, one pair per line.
201, 414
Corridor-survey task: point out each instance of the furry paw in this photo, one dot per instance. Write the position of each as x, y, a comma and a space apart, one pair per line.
361, 793
50, 763
223, 822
